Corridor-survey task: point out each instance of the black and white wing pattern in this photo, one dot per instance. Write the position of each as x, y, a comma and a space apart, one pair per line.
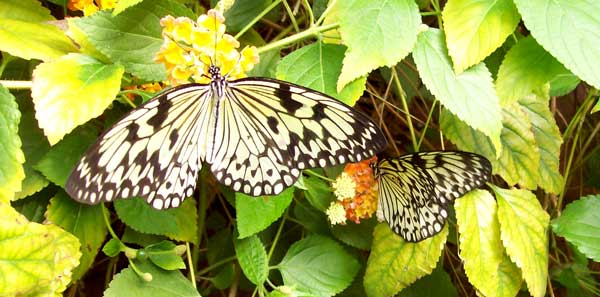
269, 130
152, 152
415, 189
257, 134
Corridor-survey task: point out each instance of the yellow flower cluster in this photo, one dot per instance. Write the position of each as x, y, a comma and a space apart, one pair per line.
90, 6
363, 203
189, 48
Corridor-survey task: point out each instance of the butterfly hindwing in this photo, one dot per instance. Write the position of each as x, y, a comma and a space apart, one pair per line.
415, 189
272, 129
151, 152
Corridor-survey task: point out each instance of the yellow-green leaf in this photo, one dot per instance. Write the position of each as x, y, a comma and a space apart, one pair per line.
475, 28
72, 90
35, 259
520, 157
469, 95
11, 155
394, 264
377, 33
24, 33
481, 250
524, 233
548, 139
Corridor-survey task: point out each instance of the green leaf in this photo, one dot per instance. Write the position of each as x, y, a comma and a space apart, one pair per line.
112, 248
526, 67
11, 155
71, 90
83, 221
133, 37
317, 66
318, 193
474, 29
436, 284
25, 34
34, 207
563, 83
254, 214
356, 235
523, 229
140, 216
164, 283
311, 218
142, 239
56, 165
35, 145
378, 33
579, 223
469, 95
394, 264
184, 214
548, 139
35, 259
163, 255
252, 257
568, 30
318, 265
480, 247
243, 12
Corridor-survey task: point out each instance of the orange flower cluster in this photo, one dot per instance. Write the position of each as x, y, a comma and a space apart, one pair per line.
364, 202
90, 6
152, 87
189, 48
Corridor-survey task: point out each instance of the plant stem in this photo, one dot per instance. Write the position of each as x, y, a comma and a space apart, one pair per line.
312, 31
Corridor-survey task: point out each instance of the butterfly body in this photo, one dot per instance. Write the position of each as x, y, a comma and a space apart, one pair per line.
415, 189
256, 134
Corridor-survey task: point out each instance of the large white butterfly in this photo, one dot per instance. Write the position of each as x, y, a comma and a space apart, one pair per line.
415, 189
256, 134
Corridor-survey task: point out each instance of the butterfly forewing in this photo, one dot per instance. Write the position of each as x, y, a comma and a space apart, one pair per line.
415, 189
152, 152
271, 129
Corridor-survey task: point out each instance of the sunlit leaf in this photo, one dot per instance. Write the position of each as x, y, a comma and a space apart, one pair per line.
579, 223
475, 28
524, 233
377, 33
394, 264
69, 91
11, 155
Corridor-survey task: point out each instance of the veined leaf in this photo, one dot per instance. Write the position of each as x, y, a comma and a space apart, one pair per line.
163, 284
72, 90
256, 213
475, 28
480, 247
547, 138
524, 233
24, 10
11, 155
579, 223
318, 265
526, 67
252, 257
469, 95
85, 222
35, 259
378, 33
394, 264
317, 66
569, 31
133, 37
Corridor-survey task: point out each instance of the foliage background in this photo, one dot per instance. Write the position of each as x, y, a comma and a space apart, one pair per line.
513, 80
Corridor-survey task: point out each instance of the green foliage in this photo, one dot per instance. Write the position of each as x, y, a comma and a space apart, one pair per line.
515, 81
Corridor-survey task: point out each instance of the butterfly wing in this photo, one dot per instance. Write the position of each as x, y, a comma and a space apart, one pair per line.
415, 189
151, 152
269, 130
